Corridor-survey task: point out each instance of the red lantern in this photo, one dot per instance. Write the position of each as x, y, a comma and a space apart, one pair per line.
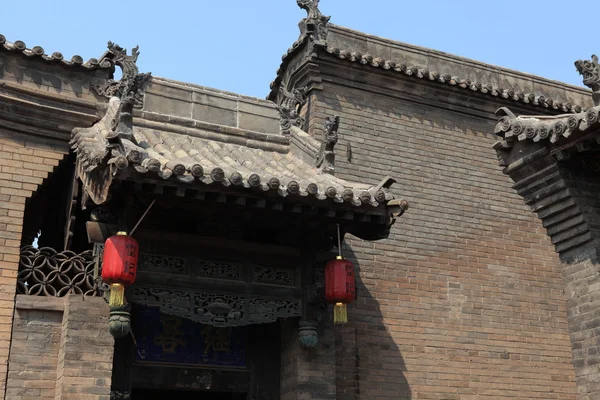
119, 265
340, 287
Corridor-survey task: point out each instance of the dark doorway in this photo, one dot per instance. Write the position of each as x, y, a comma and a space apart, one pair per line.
151, 394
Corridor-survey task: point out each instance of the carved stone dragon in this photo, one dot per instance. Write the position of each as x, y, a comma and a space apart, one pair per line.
315, 23
326, 156
590, 70
109, 145
129, 89
289, 107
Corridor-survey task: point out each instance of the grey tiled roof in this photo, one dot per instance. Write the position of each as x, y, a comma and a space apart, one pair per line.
196, 153
38, 52
550, 128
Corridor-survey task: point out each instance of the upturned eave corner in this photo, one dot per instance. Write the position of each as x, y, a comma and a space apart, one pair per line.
109, 146
562, 134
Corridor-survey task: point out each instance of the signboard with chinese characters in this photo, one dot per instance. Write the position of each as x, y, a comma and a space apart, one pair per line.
170, 339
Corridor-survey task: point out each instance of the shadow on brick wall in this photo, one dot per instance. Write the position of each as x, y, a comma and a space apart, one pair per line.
369, 363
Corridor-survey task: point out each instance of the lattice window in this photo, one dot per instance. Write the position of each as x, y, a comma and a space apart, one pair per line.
46, 272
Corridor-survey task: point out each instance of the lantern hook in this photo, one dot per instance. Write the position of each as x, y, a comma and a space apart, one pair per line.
339, 238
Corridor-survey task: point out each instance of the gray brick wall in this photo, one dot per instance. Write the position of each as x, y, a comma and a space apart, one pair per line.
466, 296
60, 349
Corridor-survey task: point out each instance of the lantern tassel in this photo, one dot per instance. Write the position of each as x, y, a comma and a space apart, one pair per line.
117, 295
340, 314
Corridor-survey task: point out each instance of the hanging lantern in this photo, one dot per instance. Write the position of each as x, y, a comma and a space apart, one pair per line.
119, 265
340, 287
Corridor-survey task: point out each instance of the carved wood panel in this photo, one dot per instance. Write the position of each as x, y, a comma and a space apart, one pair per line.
221, 310
219, 269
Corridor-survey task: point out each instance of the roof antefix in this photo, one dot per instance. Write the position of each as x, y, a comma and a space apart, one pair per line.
56, 57
564, 132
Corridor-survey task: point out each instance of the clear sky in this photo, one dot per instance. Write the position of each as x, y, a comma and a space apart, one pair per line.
236, 45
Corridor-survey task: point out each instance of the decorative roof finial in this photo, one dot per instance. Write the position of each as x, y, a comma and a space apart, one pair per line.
289, 107
590, 70
130, 89
326, 156
315, 23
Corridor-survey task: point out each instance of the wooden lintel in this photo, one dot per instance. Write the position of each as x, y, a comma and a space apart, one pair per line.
219, 285
98, 232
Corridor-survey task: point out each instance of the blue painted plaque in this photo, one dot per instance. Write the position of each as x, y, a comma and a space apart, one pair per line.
170, 339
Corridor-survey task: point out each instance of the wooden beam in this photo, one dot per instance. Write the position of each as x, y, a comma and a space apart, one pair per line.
98, 232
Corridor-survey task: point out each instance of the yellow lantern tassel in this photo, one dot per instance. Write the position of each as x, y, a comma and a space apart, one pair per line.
117, 295
340, 313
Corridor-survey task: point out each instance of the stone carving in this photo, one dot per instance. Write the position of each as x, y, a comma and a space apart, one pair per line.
289, 107
272, 275
326, 156
119, 323
315, 23
590, 70
219, 269
130, 88
220, 310
164, 264
307, 334
109, 145
45, 272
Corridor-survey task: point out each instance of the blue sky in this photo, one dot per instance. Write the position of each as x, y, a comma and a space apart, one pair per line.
236, 45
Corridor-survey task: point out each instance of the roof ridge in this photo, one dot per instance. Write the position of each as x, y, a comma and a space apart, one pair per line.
193, 127
458, 58
475, 86
19, 46
316, 45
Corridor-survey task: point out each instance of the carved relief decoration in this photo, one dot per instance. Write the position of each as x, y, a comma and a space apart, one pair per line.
218, 269
289, 107
46, 272
220, 310
164, 264
326, 156
272, 275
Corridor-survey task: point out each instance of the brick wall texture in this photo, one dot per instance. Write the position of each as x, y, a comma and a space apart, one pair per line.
61, 349
307, 374
24, 163
465, 299
34, 350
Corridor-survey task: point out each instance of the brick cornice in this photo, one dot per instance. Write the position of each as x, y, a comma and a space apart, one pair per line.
559, 194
